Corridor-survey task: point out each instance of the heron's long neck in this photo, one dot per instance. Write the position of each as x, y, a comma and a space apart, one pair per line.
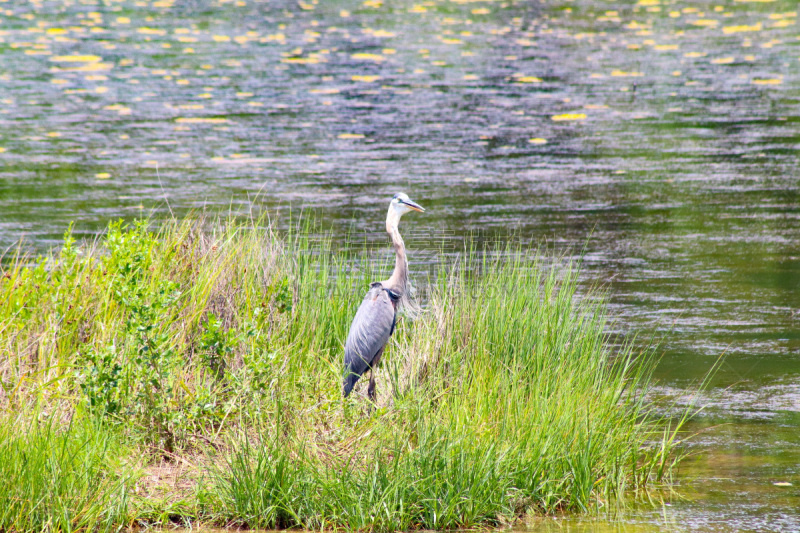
399, 278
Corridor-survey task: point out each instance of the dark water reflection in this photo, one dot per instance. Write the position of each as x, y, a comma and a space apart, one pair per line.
659, 136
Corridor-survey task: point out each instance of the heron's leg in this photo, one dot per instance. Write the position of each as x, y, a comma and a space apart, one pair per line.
373, 367
371, 389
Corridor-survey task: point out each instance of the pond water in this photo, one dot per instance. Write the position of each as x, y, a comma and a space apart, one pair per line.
659, 139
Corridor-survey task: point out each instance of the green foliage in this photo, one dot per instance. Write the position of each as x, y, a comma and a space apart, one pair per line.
501, 399
99, 378
216, 345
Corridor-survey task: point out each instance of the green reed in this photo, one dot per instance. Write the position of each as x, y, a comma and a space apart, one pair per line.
61, 479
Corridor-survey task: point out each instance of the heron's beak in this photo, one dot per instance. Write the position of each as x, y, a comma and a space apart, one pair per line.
413, 205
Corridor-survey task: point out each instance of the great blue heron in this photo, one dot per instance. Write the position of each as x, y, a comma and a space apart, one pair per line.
376, 317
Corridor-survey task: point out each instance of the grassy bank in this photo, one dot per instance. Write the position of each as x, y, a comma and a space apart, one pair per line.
199, 368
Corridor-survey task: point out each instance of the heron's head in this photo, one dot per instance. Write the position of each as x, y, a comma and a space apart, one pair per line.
402, 204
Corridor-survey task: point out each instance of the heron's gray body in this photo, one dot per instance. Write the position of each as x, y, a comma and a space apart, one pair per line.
372, 326
375, 319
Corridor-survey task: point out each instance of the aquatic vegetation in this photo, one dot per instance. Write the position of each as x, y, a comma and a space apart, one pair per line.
221, 343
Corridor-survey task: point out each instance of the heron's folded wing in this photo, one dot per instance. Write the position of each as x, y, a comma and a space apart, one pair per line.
369, 331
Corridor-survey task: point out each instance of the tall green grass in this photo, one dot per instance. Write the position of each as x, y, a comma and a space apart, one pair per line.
220, 343
54, 479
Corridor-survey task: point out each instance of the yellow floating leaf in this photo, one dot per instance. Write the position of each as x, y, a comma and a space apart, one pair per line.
388, 51
470, 77
368, 57
344, 13
243, 95
779, 16
480, 11
741, 29
782, 484
119, 108
695, 54
771, 81
2, 149
201, 120
722, 61
87, 67
383, 33
665, 47
300, 60
537, 140
528, 79
58, 81
365, 78
54, 134
623, 74
418, 9
710, 23
102, 175
123, 20
56, 31
221, 38
76, 59
350, 136
324, 91
151, 31
568, 116
450, 41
